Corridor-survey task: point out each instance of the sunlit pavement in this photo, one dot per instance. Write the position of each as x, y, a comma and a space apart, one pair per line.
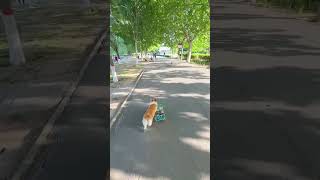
178, 148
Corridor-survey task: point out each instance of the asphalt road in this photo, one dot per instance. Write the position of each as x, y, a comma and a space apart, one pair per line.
78, 145
266, 94
176, 149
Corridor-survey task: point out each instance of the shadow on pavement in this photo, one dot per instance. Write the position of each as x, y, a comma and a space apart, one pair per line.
177, 148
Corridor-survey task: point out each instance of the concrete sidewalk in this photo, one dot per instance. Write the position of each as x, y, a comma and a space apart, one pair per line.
266, 94
120, 89
26, 106
78, 143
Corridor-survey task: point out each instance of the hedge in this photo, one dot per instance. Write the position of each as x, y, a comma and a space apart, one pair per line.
202, 59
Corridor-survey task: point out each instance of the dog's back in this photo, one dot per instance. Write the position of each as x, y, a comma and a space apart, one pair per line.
151, 111
149, 114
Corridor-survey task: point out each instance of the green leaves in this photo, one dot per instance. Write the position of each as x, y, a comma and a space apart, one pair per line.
202, 43
148, 23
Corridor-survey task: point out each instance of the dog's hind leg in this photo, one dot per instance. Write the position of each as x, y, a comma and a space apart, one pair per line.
145, 124
150, 123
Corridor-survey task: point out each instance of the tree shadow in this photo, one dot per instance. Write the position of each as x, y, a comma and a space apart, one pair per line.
265, 97
239, 16
270, 42
263, 124
79, 136
292, 85
262, 144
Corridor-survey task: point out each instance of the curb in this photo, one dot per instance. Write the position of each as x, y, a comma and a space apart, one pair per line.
121, 105
42, 138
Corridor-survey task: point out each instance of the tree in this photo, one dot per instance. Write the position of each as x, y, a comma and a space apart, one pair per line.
114, 43
202, 43
125, 20
16, 54
190, 20
184, 22
137, 22
148, 23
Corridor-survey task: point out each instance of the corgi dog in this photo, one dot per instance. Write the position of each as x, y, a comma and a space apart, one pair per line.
150, 113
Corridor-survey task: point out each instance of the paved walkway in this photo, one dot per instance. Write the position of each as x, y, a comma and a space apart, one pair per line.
27, 103
178, 148
79, 142
266, 94
119, 90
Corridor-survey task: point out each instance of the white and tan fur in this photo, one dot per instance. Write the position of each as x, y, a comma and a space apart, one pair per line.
150, 113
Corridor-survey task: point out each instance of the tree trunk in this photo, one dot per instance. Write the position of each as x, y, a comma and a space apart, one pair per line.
318, 10
117, 52
182, 52
141, 52
136, 47
113, 71
189, 52
111, 61
114, 74
115, 48
16, 54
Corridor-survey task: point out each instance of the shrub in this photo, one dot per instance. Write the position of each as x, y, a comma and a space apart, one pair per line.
198, 58
201, 61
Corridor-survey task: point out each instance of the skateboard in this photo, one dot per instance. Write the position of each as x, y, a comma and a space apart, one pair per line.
160, 115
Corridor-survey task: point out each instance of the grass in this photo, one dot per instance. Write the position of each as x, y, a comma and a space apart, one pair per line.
55, 33
200, 59
200, 62
127, 72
